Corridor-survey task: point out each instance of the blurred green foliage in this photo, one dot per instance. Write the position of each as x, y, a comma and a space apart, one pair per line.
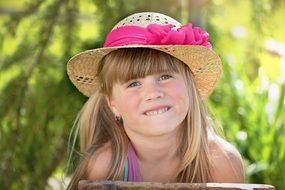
38, 104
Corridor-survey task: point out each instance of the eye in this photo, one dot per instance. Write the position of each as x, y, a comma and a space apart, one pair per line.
165, 77
133, 84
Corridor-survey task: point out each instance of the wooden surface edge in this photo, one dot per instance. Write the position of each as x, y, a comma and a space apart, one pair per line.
108, 185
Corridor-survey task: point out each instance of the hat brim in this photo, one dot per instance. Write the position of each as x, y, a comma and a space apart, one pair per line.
204, 63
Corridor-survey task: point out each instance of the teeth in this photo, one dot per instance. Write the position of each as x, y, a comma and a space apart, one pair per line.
156, 112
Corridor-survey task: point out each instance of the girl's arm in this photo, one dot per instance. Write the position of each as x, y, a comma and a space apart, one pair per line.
100, 163
227, 163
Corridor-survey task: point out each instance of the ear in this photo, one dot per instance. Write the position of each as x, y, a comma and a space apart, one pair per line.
112, 105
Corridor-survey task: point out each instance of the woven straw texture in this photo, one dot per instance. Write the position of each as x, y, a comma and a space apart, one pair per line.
204, 63
146, 18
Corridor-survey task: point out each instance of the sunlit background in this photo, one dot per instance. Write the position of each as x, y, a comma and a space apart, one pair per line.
38, 104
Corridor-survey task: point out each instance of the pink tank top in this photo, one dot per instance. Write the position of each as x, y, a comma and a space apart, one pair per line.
131, 169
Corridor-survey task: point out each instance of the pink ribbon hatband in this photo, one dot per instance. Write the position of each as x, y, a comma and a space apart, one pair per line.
155, 34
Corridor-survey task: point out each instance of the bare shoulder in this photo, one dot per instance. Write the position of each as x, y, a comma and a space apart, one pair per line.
100, 163
226, 162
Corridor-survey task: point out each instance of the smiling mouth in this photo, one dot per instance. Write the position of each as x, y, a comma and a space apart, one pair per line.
157, 112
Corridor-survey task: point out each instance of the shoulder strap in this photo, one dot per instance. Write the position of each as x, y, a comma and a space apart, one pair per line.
126, 171
132, 166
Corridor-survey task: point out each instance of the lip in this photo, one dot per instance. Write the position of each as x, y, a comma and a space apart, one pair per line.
156, 108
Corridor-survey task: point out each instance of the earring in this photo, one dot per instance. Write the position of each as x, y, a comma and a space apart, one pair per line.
119, 119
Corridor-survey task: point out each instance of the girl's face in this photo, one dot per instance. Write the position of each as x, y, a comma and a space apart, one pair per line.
154, 105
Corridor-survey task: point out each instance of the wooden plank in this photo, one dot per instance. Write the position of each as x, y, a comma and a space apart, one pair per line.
120, 185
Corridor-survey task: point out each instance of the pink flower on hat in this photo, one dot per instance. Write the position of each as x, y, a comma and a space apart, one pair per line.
186, 35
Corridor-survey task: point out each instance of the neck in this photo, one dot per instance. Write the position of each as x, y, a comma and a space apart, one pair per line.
155, 149
157, 156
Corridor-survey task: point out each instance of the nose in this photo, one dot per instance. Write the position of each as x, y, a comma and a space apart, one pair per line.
153, 91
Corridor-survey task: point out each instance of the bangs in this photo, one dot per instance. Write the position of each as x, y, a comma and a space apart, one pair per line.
140, 62
130, 63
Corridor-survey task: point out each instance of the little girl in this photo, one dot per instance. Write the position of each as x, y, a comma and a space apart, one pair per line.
145, 119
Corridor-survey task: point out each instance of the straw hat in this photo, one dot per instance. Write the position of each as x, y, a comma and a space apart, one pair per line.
155, 31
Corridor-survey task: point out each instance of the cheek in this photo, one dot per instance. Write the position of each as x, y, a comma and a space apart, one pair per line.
127, 104
179, 91
180, 94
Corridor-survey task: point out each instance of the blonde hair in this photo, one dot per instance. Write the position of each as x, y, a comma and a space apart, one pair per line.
97, 124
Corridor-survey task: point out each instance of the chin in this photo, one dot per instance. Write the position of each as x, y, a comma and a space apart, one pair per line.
158, 131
